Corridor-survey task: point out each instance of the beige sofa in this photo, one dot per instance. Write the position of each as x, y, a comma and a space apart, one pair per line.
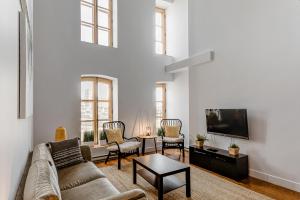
77, 182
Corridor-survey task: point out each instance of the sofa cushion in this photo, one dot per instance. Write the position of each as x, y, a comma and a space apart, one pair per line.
125, 147
94, 190
173, 140
114, 135
66, 153
41, 182
42, 152
79, 174
172, 131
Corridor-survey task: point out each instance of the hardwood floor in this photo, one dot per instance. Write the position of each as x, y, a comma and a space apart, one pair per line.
268, 189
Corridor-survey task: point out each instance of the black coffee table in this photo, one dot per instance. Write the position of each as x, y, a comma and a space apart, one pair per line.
159, 171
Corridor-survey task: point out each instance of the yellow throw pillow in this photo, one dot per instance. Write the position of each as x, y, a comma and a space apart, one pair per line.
114, 135
172, 131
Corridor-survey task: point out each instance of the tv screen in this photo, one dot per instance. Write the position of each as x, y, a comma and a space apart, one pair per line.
227, 122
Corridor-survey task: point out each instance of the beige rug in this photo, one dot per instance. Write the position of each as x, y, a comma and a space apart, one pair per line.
205, 186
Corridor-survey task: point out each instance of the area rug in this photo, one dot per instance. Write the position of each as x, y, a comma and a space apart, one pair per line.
205, 186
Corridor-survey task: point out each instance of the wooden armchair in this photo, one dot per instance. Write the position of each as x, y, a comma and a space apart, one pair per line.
172, 137
117, 143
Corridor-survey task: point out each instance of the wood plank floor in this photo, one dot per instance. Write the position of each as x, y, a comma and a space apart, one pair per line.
254, 184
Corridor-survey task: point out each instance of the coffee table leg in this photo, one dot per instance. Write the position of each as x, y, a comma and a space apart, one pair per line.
155, 145
134, 172
160, 187
188, 183
143, 147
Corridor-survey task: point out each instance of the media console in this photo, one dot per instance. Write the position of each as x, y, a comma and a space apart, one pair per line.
219, 161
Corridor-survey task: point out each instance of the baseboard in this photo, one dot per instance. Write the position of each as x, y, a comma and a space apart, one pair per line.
275, 180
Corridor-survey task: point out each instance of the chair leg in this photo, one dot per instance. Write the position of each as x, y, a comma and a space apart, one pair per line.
119, 160
107, 157
162, 148
138, 152
183, 150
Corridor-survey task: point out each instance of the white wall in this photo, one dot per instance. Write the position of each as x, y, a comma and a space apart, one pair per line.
177, 29
178, 101
60, 59
16, 135
256, 67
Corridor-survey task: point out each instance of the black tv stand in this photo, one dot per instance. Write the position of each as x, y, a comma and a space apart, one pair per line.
220, 161
212, 149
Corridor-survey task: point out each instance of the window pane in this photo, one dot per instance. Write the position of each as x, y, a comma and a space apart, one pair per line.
159, 48
89, 1
103, 3
87, 90
158, 122
86, 34
87, 111
159, 108
103, 19
100, 125
103, 110
158, 19
103, 91
159, 93
158, 34
103, 37
87, 131
87, 13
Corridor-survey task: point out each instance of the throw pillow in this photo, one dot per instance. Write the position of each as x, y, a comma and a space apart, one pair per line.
114, 135
172, 131
66, 153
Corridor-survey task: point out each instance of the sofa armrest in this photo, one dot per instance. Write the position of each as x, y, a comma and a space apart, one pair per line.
86, 152
128, 195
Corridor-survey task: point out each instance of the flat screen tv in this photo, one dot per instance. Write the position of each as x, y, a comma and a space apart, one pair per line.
227, 122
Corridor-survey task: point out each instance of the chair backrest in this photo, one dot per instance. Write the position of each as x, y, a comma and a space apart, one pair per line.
114, 125
171, 122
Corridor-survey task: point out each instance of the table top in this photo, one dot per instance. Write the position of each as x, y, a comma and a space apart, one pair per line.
147, 136
160, 165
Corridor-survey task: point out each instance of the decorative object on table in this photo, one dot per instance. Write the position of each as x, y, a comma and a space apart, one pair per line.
117, 143
200, 139
144, 138
233, 149
25, 82
172, 137
148, 131
61, 134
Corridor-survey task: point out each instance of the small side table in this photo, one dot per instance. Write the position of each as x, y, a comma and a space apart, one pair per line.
144, 138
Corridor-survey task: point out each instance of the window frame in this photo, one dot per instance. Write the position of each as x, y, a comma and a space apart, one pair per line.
163, 41
95, 102
96, 8
164, 101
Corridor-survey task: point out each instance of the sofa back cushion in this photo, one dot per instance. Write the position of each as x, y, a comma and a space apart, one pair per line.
114, 135
42, 152
41, 182
66, 153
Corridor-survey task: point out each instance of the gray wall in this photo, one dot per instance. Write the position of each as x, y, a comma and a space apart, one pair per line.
256, 67
16, 135
60, 59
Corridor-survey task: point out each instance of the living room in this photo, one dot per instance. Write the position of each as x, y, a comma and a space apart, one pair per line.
163, 59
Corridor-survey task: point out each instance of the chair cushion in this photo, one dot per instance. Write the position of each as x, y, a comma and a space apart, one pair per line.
125, 147
42, 152
173, 140
94, 190
114, 135
41, 182
172, 131
66, 153
79, 174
